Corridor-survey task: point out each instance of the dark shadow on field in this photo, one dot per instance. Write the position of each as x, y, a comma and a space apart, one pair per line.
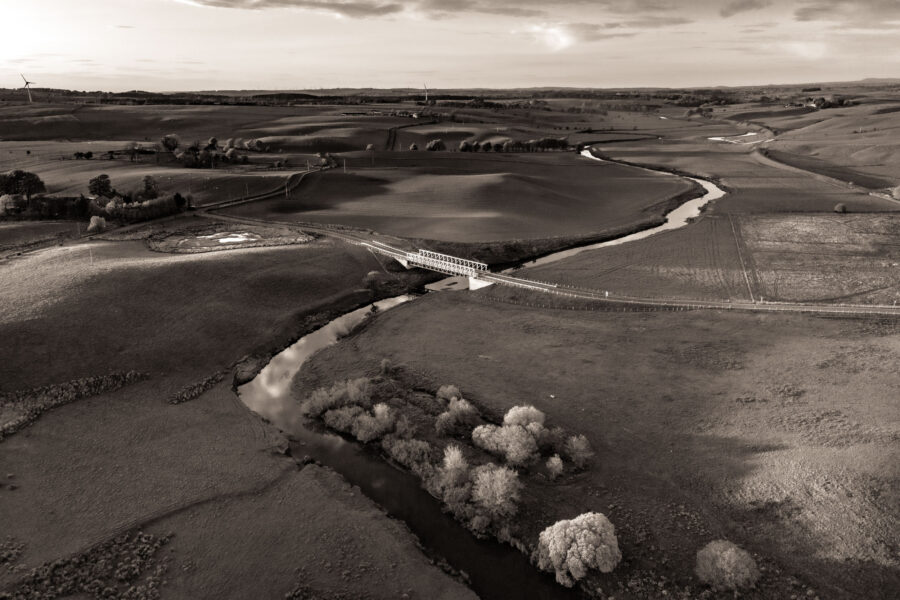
175, 316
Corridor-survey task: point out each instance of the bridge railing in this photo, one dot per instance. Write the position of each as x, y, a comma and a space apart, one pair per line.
455, 260
441, 265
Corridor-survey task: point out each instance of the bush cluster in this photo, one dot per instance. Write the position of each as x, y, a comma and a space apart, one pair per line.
343, 393
571, 547
112, 569
365, 426
32, 403
195, 390
415, 455
481, 496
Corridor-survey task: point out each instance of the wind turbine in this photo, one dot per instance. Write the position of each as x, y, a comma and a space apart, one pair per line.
27, 88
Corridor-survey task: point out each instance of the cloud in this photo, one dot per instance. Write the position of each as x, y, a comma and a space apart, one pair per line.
441, 9
559, 36
345, 8
654, 22
857, 12
124, 26
738, 6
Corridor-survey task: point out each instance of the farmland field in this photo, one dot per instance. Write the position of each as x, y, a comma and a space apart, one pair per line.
477, 198
695, 262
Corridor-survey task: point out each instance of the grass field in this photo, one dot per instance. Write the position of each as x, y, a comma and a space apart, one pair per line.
467, 198
777, 432
695, 262
824, 258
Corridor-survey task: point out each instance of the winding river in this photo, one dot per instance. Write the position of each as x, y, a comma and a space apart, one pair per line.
493, 570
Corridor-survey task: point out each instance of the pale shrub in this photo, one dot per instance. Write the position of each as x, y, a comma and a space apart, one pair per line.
368, 427
459, 417
412, 454
724, 566
554, 467
572, 547
523, 415
451, 482
514, 442
447, 392
342, 419
578, 450
97, 224
455, 468
495, 490
344, 393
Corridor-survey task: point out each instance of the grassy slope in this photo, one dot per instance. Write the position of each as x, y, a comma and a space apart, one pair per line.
477, 198
134, 306
696, 425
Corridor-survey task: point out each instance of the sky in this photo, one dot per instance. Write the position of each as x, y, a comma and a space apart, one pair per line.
169, 45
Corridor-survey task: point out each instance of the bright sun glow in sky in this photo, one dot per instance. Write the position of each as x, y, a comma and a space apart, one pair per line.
157, 45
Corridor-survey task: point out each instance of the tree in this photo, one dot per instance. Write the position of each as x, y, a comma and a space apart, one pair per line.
170, 142
436, 146
21, 182
101, 186
554, 467
413, 146
151, 188
523, 415
572, 547
465, 146
724, 566
498, 147
513, 442
496, 490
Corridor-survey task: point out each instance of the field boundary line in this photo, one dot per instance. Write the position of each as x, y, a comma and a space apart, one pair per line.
741, 257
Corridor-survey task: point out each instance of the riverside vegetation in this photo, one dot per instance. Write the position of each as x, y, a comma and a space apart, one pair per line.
448, 443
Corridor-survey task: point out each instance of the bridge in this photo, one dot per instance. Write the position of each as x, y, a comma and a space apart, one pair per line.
477, 272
